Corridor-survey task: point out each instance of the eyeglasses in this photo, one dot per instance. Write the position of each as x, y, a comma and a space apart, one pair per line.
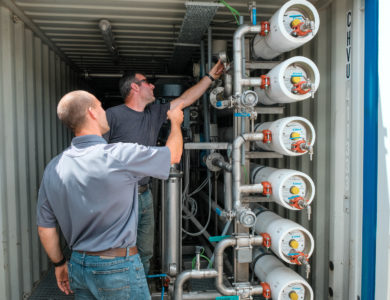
139, 82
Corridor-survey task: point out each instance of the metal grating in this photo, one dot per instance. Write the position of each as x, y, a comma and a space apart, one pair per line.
195, 23
47, 289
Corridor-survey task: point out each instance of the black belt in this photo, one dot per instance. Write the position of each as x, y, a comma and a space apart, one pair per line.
142, 188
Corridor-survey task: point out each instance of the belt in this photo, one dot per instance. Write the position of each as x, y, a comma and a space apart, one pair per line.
142, 188
115, 252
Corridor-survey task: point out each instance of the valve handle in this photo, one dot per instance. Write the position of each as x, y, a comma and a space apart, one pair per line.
265, 28
266, 240
267, 136
265, 82
267, 188
297, 147
296, 202
299, 89
298, 31
266, 290
294, 259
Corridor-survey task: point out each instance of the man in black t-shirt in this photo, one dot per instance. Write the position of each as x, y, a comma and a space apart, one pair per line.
139, 121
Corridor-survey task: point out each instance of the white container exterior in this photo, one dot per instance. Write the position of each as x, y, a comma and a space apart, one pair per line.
278, 39
277, 92
277, 127
269, 269
278, 227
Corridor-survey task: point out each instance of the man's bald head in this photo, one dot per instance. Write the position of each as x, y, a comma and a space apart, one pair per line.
72, 108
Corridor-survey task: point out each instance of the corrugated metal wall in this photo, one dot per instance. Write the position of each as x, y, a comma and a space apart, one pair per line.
32, 80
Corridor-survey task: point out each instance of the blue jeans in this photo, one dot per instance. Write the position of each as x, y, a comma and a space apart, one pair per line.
98, 277
145, 230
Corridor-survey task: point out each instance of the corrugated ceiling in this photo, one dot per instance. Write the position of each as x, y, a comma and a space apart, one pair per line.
145, 31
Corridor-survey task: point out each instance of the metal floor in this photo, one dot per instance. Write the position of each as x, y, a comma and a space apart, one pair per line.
47, 289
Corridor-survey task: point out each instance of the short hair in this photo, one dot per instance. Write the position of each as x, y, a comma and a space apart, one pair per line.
125, 82
72, 108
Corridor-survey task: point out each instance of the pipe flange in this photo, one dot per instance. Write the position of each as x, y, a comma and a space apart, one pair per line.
249, 99
247, 218
209, 161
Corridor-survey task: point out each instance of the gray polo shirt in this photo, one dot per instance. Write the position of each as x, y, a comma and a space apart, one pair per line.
91, 191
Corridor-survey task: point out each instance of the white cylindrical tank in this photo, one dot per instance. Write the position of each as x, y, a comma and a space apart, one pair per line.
288, 239
285, 283
288, 186
292, 136
293, 25
293, 80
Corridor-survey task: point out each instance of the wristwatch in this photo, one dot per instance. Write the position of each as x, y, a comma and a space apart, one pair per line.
60, 263
209, 76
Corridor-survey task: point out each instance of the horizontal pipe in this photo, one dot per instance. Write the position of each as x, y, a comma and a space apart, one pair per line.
184, 276
206, 146
237, 54
236, 172
201, 296
251, 81
119, 75
219, 250
222, 164
253, 188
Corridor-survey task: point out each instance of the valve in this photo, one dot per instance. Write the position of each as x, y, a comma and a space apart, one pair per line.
267, 188
299, 146
266, 240
266, 290
300, 258
265, 27
302, 87
301, 28
298, 202
265, 82
267, 136
302, 147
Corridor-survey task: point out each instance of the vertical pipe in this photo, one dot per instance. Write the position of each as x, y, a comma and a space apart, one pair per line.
206, 121
209, 46
243, 68
370, 159
227, 177
172, 222
210, 62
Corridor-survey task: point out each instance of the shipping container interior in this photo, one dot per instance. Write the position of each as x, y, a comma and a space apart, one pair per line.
314, 212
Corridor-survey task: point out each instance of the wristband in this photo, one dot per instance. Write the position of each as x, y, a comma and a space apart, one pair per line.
60, 263
209, 76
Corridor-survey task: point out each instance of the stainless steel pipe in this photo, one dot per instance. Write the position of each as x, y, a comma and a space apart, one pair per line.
184, 276
237, 55
219, 250
171, 223
236, 171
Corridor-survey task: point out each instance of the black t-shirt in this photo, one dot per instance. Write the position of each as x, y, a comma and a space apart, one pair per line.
130, 126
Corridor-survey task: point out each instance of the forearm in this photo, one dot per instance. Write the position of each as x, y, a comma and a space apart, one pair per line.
193, 93
175, 143
50, 240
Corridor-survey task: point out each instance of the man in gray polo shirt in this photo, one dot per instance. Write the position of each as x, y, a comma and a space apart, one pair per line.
90, 191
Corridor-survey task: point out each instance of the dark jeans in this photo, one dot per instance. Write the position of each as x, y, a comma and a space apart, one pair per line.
145, 231
99, 277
